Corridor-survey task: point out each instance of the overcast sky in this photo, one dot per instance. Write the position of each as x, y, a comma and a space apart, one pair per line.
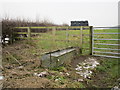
97, 12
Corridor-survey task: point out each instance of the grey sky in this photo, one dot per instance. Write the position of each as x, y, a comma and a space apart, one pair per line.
97, 12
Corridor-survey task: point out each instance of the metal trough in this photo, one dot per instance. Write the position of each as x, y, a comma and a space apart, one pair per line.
57, 58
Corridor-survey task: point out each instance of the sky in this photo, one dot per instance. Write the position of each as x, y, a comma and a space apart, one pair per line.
97, 12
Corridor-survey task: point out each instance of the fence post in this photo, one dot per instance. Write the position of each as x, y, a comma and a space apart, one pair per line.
81, 39
91, 40
67, 34
53, 37
29, 32
53, 31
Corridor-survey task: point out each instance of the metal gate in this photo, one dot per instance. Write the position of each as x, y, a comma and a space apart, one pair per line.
105, 42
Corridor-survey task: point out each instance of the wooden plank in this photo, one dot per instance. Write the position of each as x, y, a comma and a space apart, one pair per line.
86, 34
57, 27
32, 33
21, 27
21, 37
33, 38
20, 32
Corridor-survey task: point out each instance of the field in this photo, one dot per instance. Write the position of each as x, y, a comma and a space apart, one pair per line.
54, 40
26, 53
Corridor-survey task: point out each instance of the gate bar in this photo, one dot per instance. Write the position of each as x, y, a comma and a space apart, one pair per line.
107, 27
107, 39
106, 52
107, 44
106, 33
107, 56
106, 49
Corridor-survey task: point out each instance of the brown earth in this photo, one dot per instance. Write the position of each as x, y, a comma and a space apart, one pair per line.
19, 66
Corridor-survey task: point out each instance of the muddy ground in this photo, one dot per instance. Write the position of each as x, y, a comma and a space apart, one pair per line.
20, 66
23, 77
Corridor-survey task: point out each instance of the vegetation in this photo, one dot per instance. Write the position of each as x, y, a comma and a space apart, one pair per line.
107, 74
8, 25
22, 59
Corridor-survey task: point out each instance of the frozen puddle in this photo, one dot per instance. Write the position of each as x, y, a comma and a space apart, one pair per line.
85, 68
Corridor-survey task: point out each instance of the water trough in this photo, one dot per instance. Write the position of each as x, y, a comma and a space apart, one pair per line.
59, 57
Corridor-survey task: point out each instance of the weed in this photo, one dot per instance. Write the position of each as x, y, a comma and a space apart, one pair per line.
108, 68
60, 68
75, 85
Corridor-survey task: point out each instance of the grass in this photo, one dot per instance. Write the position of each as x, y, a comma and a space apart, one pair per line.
49, 41
71, 38
107, 73
108, 66
62, 39
45, 42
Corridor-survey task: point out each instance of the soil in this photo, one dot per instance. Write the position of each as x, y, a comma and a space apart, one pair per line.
28, 82
19, 78
81, 58
22, 76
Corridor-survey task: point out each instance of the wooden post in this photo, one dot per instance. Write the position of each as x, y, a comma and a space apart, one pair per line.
47, 29
29, 32
67, 34
53, 31
91, 40
81, 39
53, 37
